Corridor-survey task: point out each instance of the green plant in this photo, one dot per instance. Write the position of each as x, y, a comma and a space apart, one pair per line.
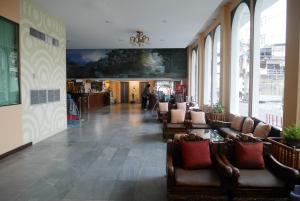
218, 108
292, 132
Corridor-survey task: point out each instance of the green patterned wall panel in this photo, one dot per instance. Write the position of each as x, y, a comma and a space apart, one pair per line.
43, 66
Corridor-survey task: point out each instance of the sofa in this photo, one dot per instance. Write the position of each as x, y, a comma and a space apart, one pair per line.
241, 124
256, 174
206, 183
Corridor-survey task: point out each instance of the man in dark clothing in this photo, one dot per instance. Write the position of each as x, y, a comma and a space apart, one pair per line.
145, 96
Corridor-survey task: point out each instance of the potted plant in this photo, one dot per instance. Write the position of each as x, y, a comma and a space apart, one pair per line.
218, 108
292, 136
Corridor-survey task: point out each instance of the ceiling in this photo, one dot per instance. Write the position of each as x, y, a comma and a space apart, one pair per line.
108, 24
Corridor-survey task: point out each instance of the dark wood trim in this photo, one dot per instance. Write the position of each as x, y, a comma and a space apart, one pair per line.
15, 150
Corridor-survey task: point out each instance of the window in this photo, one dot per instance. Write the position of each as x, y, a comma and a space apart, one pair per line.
269, 60
9, 63
240, 61
207, 70
194, 75
216, 67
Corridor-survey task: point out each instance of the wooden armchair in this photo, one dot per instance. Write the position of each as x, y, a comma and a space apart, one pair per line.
163, 110
195, 184
193, 121
274, 181
170, 129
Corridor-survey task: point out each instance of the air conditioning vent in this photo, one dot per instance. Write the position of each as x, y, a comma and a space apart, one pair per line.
44, 37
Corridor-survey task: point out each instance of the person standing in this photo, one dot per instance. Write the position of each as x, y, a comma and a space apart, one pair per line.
145, 96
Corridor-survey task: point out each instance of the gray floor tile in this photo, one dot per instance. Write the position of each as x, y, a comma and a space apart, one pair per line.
117, 154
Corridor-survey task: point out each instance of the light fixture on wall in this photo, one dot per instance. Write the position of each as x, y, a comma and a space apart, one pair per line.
139, 39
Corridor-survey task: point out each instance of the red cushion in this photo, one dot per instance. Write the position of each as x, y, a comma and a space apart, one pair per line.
195, 154
249, 155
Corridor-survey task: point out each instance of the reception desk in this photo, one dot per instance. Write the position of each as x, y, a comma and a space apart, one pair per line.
86, 101
98, 100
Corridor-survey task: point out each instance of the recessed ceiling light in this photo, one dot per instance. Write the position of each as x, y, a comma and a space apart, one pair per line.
162, 40
164, 21
108, 21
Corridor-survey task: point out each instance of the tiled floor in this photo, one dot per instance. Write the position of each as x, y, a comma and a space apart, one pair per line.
117, 154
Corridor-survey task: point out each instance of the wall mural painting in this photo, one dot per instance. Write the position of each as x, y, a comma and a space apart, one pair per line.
127, 63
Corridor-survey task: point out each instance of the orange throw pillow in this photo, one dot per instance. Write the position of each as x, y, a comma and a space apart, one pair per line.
249, 155
195, 154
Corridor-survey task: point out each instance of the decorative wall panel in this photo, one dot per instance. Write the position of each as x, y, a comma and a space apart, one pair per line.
43, 66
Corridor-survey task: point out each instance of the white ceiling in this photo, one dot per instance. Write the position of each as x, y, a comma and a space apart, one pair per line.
101, 24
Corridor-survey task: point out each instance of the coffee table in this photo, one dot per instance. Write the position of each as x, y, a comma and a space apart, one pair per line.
207, 134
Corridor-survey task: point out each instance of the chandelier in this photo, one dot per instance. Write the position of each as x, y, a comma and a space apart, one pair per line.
139, 39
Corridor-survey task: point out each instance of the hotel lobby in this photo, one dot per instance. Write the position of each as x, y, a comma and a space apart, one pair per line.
139, 100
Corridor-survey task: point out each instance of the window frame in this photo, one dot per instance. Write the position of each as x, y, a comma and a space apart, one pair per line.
249, 103
215, 60
208, 66
252, 6
19, 102
211, 34
195, 74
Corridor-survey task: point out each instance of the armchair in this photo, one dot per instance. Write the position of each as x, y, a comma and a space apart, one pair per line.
170, 127
198, 120
273, 181
195, 184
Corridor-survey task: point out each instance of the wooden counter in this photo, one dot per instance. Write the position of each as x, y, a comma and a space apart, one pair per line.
98, 100
87, 101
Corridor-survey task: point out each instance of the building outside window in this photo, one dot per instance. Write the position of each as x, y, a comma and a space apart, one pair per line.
216, 66
207, 71
240, 60
269, 60
194, 76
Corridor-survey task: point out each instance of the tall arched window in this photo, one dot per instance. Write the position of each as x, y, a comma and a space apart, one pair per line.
216, 66
194, 75
269, 60
207, 70
240, 61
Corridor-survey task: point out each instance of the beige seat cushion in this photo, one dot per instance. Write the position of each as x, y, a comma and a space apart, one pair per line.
248, 125
177, 116
181, 106
202, 177
258, 178
198, 117
262, 130
200, 126
236, 123
176, 125
163, 107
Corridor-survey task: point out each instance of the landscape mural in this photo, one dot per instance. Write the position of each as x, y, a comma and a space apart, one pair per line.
127, 63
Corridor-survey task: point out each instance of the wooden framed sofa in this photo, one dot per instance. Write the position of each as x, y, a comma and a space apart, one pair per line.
241, 124
192, 182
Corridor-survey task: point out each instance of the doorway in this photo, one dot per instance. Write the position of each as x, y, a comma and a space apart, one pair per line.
142, 87
124, 92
